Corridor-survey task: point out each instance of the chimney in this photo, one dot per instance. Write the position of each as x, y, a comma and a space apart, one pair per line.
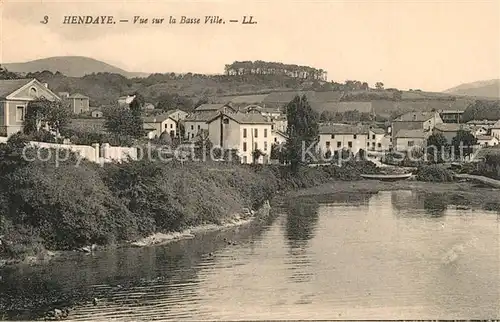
46, 85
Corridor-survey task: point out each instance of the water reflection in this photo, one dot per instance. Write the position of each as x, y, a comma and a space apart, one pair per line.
373, 257
418, 204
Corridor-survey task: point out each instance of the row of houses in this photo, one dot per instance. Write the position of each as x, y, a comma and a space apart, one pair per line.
413, 129
245, 130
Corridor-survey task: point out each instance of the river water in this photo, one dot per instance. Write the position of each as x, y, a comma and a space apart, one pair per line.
391, 255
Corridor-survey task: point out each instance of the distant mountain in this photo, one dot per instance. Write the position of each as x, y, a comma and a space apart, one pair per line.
488, 88
72, 66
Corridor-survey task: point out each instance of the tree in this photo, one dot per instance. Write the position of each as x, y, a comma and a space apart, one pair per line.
256, 154
302, 130
379, 85
463, 143
5, 74
124, 121
436, 145
42, 112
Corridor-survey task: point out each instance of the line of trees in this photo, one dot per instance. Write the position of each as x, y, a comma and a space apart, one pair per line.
260, 67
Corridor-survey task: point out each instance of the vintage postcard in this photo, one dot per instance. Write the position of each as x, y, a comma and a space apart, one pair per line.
249, 160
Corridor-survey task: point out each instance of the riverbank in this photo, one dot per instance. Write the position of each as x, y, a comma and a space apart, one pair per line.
462, 193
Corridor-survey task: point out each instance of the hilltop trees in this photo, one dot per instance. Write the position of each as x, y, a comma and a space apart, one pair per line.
482, 110
5, 74
260, 67
302, 130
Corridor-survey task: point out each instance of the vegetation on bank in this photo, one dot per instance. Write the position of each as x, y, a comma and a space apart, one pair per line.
66, 207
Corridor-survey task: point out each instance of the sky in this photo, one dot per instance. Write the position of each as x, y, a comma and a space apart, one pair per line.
429, 45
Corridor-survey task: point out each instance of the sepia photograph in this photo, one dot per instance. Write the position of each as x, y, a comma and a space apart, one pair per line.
248, 160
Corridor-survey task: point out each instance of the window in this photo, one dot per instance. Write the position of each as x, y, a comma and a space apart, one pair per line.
275, 139
244, 133
349, 144
198, 127
333, 136
20, 113
171, 126
411, 143
33, 92
192, 127
339, 144
265, 133
367, 143
272, 126
244, 147
265, 146
256, 133
355, 136
379, 145
373, 144
373, 136
192, 135
245, 159
327, 144
225, 121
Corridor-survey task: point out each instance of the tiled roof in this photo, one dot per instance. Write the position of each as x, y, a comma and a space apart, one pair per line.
8, 86
204, 116
77, 95
156, 118
416, 134
210, 107
343, 129
245, 118
450, 127
484, 137
416, 117
377, 130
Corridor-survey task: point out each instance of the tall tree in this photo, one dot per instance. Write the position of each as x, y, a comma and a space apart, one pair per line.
463, 143
302, 130
123, 121
379, 85
436, 147
43, 112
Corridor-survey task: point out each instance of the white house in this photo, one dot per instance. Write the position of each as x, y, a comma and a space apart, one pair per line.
378, 139
159, 124
244, 132
15, 96
335, 137
487, 140
195, 122
409, 139
279, 137
495, 129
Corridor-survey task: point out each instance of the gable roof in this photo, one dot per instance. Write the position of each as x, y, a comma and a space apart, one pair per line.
212, 107
77, 95
415, 117
8, 86
377, 130
485, 137
343, 129
244, 118
411, 134
157, 118
496, 125
282, 134
450, 127
204, 116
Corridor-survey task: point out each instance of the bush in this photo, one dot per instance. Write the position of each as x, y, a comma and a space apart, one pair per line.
434, 173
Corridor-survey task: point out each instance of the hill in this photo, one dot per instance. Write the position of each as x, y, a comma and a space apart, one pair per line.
488, 88
72, 66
